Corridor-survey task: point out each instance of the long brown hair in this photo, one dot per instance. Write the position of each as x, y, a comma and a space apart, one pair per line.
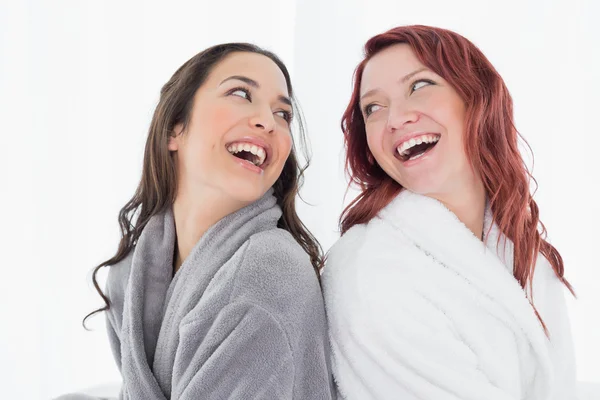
158, 185
491, 141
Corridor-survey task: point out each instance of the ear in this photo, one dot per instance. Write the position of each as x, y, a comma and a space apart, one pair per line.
175, 138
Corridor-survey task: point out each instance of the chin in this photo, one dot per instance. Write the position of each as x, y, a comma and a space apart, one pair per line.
427, 183
422, 188
247, 194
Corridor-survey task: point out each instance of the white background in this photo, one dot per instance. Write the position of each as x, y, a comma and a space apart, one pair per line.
78, 84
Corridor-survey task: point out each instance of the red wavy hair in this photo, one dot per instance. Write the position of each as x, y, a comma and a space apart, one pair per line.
491, 142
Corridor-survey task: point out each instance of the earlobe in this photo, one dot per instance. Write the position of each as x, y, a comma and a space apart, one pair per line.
173, 144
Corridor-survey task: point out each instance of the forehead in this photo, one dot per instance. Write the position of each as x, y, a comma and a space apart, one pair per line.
252, 65
388, 66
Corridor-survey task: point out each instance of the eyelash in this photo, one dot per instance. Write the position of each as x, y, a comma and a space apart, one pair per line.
412, 87
287, 116
367, 108
242, 89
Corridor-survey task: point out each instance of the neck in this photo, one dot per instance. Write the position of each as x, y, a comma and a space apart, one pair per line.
468, 204
194, 215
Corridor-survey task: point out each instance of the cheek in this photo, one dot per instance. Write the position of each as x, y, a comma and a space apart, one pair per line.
285, 144
216, 120
455, 124
374, 140
449, 113
221, 110
449, 108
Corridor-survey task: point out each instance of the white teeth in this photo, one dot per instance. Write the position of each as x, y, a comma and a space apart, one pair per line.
258, 151
417, 156
404, 147
261, 155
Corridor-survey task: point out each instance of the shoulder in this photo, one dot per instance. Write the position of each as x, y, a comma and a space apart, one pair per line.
362, 249
549, 295
275, 268
372, 267
275, 254
344, 253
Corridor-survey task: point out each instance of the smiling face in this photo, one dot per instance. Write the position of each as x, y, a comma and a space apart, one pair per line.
415, 122
238, 138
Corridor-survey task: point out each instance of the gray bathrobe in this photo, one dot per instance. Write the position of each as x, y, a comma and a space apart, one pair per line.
243, 318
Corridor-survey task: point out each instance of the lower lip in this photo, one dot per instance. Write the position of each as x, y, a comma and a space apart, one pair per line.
248, 165
426, 155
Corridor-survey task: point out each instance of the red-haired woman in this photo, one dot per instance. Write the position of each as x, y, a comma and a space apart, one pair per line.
442, 285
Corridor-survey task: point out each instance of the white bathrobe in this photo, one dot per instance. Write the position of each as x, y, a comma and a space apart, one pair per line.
419, 308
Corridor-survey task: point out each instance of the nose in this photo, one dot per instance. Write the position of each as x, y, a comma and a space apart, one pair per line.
400, 116
263, 120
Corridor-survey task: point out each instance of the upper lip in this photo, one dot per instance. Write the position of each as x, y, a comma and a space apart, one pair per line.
409, 136
255, 141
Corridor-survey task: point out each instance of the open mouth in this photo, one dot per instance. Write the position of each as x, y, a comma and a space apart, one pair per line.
252, 153
417, 147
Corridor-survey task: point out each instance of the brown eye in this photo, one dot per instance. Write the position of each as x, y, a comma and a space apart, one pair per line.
240, 92
286, 115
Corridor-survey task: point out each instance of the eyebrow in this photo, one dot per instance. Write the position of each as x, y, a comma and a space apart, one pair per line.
403, 80
254, 84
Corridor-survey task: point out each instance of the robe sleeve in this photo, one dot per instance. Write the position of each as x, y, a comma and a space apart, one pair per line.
242, 353
114, 317
549, 299
113, 340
